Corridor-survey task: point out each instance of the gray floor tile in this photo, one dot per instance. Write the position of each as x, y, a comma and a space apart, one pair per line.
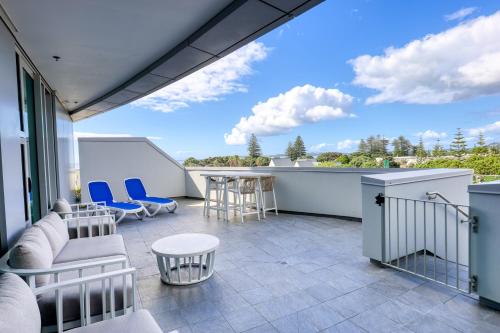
429, 324
344, 327
372, 321
244, 319
357, 302
212, 325
299, 272
282, 306
266, 328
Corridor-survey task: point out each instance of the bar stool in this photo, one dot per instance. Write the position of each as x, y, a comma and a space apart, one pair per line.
267, 185
245, 189
213, 184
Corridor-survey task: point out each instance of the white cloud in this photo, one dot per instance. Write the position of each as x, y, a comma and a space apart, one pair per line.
319, 147
457, 64
460, 14
430, 134
299, 105
493, 128
155, 138
211, 83
347, 144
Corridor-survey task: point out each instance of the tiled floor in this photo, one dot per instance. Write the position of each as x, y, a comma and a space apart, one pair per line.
292, 273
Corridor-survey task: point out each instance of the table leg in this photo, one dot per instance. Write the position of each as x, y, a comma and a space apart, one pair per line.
226, 196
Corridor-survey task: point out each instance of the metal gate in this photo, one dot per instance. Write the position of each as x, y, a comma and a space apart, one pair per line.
429, 239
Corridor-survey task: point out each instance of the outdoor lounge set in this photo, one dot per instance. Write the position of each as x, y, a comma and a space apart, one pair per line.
75, 270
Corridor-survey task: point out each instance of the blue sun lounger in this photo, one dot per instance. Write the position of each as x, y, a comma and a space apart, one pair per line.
137, 192
101, 193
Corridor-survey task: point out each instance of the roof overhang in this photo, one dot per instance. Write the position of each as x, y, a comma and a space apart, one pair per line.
114, 52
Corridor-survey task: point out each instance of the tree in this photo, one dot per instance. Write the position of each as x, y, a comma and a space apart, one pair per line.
254, 150
363, 147
299, 148
420, 151
458, 146
328, 156
402, 146
262, 161
480, 147
438, 149
290, 151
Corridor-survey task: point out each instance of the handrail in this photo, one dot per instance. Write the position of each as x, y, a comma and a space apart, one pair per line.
433, 194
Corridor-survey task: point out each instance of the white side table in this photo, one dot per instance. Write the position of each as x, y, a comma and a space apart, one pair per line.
185, 258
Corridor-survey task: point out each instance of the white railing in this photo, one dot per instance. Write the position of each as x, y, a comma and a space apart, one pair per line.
429, 239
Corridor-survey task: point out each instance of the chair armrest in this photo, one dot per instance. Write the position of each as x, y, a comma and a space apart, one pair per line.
57, 269
84, 284
102, 220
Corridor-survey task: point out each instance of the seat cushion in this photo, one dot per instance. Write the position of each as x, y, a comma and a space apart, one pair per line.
55, 230
91, 248
32, 250
123, 205
18, 307
139, 321
108, 228
71, 299
61, 206
157, 200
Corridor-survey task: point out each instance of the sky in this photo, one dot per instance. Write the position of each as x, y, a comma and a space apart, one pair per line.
342, 71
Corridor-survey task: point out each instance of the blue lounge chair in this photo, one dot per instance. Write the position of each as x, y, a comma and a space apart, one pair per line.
101, 193
137, 192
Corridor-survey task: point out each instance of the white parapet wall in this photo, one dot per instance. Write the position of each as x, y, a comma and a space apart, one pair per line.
404, 221
485, 264
329, 191
115, 159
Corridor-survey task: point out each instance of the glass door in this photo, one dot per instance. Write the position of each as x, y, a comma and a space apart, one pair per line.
29, 160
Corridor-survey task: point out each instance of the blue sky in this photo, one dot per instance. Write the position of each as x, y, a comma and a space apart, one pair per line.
338, 73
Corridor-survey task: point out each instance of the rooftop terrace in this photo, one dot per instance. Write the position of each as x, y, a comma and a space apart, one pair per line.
292, 273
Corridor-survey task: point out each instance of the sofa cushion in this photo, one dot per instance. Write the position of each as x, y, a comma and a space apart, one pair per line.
32, 250
56, 231
91, 248
55, 220
139, 321
18, 307
71, 299
62, 207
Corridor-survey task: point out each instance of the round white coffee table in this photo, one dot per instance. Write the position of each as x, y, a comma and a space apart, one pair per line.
185, 258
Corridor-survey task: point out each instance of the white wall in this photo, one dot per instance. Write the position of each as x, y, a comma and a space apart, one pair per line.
115, 159
331, 191
65, 153
484, 203
451, 183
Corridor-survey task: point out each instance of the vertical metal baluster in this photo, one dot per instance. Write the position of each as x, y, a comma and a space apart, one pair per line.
134, 283
88, 319
406, 233
389, 215
435, 249
397, 229
446, 242
457, 225
112, 297
425, 238
103, 294
415, 236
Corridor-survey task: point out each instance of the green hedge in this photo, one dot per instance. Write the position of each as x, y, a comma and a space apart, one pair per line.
482, 165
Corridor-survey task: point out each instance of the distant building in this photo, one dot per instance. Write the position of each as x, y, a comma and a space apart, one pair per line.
281, 162
311, 162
